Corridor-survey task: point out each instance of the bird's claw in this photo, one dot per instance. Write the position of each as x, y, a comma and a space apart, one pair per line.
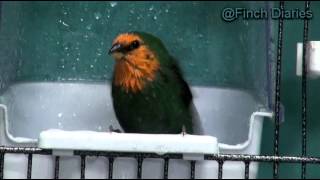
111, 129
184, 131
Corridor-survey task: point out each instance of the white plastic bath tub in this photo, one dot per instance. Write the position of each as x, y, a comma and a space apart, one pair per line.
232, 117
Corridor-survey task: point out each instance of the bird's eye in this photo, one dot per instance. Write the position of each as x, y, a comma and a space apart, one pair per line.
134, 45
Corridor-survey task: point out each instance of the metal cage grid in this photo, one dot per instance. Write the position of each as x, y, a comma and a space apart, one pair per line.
111, 156
276, 159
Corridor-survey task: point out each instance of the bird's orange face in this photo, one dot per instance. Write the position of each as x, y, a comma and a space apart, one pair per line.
135, 62
124, 45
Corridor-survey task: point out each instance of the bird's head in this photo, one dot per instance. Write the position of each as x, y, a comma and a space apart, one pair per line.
125, 45
135, 46
138, 57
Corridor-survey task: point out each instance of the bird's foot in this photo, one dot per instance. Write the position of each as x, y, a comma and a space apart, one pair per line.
184, 131
111, 129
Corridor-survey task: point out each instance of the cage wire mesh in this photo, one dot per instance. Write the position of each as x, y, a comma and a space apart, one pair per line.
276, 158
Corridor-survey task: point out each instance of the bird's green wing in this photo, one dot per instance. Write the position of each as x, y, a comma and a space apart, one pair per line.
184, 88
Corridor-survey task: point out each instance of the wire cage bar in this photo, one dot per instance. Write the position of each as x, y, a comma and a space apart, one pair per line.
56, 167
29, 171
1, 165
276, 158
110, 170
278, 93
166, 168
304, 91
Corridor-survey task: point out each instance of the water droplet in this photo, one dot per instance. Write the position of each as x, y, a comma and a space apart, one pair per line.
151, 8
155, 17
78, 59
99, 128
89, 27
81, 19
167, 10
60, 115
65, 24
58, 42
113, 4
154, 95
132, 11
60, 125
91, 66
97, 15
74, 115
65, 13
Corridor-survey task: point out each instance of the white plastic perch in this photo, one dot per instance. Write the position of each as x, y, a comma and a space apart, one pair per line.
123, 142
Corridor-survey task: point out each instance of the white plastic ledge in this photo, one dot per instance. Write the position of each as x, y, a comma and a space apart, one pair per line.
123, 142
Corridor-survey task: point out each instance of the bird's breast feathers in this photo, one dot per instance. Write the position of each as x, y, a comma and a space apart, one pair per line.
136, 70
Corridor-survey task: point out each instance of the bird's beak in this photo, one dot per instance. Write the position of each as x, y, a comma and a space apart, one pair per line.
115, 47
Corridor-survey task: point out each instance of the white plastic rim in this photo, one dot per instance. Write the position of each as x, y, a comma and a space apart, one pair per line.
312, 59
46, 139
18, 140
244, 145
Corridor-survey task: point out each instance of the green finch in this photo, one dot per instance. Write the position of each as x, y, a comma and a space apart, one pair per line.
149, 92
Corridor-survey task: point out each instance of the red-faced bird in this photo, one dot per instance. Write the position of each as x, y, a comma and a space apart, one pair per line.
149, 92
